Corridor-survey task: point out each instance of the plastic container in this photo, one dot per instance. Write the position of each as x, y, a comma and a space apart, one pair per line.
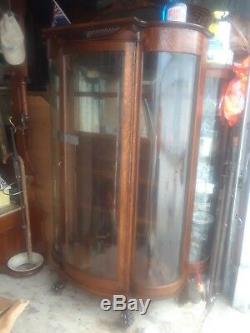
176, 11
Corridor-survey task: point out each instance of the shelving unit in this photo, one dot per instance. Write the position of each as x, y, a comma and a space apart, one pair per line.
210, 166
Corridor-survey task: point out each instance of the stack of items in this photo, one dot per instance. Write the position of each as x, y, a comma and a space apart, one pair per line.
4, 193
203, 217
219, 50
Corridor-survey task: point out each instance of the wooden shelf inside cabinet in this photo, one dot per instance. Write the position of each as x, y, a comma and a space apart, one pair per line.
109, 175
98, 208
99, 95
10, 209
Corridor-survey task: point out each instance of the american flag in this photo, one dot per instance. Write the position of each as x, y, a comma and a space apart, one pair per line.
59, 17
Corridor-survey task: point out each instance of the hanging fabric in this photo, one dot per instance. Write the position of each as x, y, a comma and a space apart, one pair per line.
234, 99
12, 40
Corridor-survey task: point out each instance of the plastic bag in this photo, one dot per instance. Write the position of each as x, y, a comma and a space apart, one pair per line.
234, 99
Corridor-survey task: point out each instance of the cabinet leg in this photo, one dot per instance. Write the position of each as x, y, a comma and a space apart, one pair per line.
59, 285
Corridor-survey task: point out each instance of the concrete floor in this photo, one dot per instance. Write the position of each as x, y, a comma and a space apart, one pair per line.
73, 311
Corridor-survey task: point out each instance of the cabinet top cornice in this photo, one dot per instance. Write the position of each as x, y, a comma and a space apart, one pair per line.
106, 27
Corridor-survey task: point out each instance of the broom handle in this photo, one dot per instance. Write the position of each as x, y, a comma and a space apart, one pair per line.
26, 209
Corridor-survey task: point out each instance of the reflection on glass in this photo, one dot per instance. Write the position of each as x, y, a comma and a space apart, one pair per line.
55, 111
166, 116
92, 155
96, 91
206, 194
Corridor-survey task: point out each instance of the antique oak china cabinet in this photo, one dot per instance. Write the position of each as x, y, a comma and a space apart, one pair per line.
127, 102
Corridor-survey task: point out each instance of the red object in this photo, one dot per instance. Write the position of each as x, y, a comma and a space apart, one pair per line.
233, 101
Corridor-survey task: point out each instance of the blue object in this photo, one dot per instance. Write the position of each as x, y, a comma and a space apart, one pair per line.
167, 6
164, 13
59, 17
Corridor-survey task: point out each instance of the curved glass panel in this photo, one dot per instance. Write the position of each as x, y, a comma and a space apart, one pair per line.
206, 191
166, 123
55, 112
92, 150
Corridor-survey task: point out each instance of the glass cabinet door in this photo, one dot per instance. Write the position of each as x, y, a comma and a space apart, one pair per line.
91, 138
207, 175
167, 111
55, 117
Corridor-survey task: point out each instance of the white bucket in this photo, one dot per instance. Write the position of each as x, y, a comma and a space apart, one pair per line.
20, 263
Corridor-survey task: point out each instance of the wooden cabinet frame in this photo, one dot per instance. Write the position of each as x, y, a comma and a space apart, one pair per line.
132, 37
